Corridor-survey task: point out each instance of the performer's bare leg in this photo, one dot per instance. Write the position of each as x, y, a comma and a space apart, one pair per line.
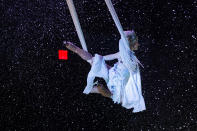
82, 53
94, 90
101, 90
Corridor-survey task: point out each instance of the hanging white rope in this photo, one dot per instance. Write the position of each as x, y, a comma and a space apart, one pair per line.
117, 22
76, 23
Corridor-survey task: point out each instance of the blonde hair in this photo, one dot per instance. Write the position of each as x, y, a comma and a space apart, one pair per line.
132, 37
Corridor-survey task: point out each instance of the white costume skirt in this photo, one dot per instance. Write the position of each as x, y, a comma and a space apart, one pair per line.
125, 86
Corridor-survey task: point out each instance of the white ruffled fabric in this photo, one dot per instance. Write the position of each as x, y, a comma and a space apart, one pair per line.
123, 81
98, 69
126, 87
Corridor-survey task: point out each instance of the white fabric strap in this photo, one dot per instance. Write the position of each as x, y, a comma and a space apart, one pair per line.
76, 23
117, 22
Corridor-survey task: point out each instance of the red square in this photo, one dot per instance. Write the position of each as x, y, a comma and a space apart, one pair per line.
63, 54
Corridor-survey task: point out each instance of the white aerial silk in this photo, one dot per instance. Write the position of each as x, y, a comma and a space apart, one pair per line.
123, 80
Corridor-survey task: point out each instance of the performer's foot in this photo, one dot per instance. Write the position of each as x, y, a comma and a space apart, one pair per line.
70, 46
103, 91
94, 90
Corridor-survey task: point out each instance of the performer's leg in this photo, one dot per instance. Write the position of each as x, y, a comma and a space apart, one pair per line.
82, 53
102, 90
94, 90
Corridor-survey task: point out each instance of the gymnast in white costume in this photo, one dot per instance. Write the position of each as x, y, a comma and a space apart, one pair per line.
123, 79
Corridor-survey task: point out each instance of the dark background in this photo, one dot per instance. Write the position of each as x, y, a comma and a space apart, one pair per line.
40, 92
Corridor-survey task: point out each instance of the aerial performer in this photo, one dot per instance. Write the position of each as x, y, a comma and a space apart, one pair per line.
123, 78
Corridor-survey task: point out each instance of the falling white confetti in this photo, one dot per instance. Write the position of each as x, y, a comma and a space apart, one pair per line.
193, 37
